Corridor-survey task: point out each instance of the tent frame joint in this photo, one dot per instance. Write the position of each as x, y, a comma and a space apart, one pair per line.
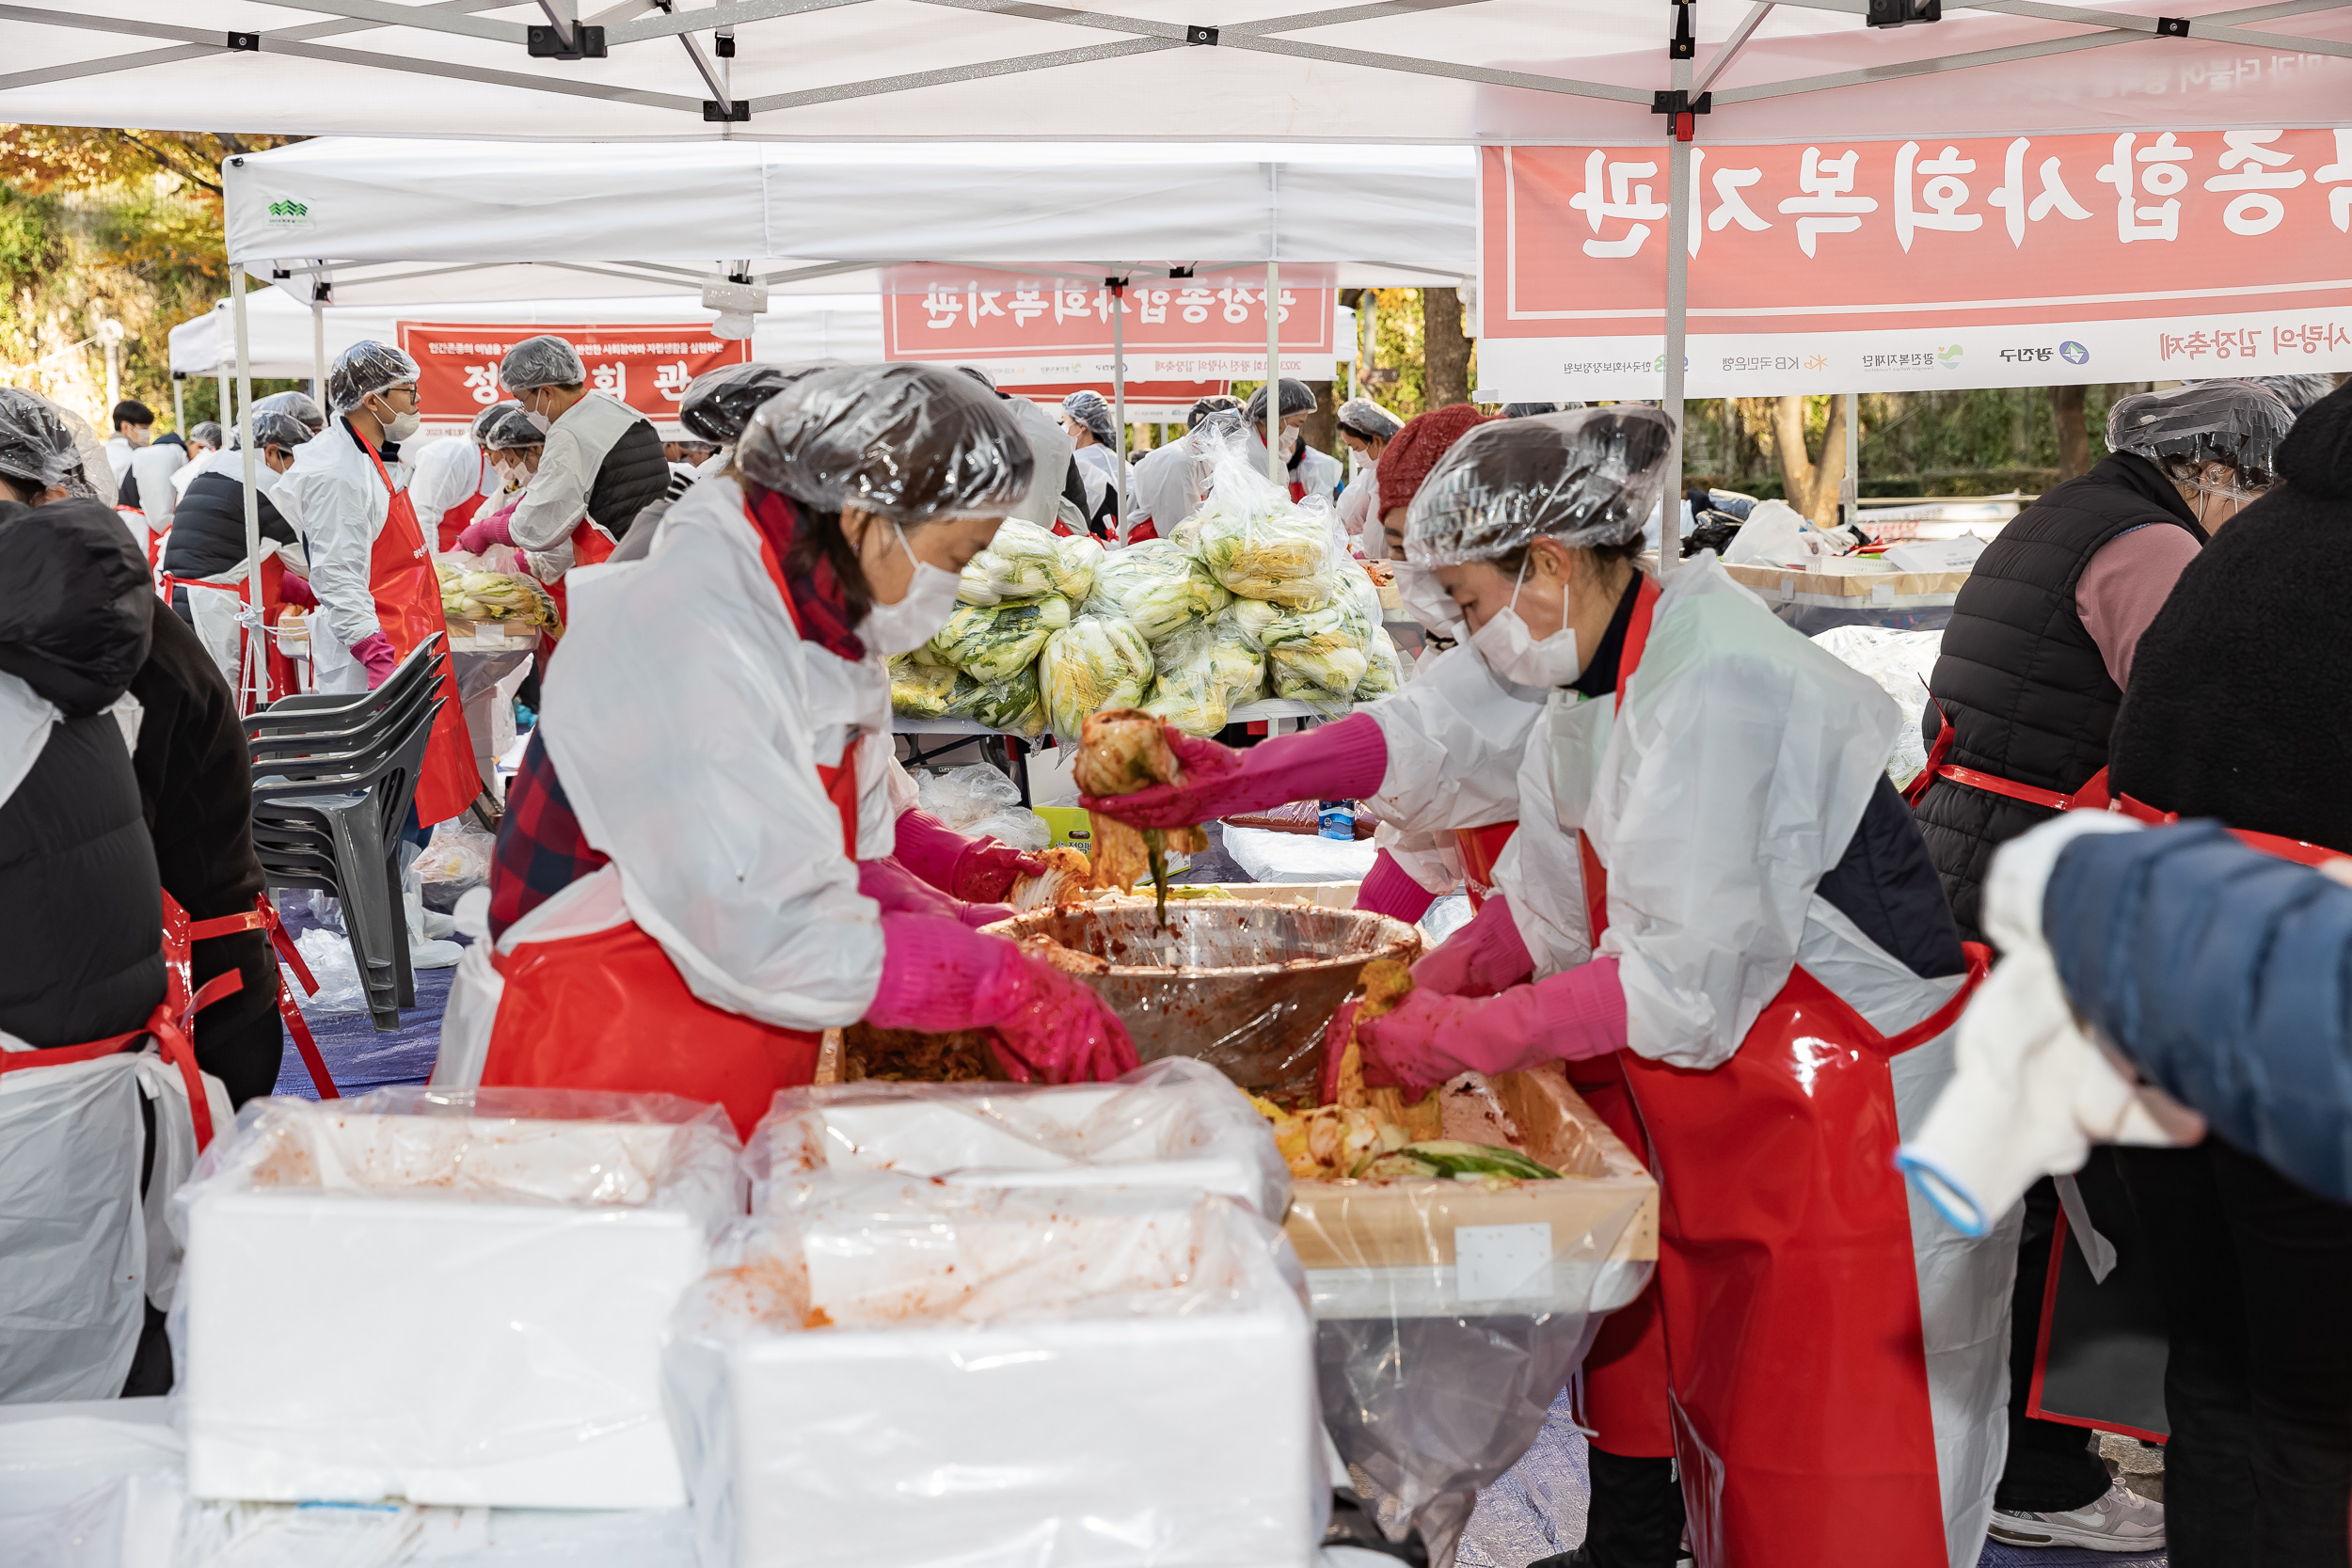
547, 42
2172, 26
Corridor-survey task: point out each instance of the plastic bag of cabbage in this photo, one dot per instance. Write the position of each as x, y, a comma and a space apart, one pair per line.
1322, 654
990, 643
1257, 542
1093, 663
1201, 671
1157, 588
1025, 562
921, 690
1014, 705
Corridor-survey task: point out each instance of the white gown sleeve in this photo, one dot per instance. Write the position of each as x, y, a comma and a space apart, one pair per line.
1455, 736
557, 496
338, 531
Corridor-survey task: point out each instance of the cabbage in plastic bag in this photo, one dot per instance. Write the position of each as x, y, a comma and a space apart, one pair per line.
1247, 620
1259, 543
1014, 705
926, 690
990, 643
1200, 671
1022, 561
1096, 662
1157, 588
1081, 556
1321, 655
1385, 671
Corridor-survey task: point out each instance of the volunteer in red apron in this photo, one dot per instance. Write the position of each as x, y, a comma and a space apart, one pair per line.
378, 597
1309, 472
678, 901
1718, 887
454, 481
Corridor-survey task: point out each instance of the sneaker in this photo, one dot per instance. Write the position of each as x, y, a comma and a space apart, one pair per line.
2121, 1521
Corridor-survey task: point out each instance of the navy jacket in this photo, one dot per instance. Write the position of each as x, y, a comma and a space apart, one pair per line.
2226, 974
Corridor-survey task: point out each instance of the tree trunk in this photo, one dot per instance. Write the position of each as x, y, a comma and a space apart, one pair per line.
1810, 485
1323, 425
1829, 475
2073, 437
1445, 352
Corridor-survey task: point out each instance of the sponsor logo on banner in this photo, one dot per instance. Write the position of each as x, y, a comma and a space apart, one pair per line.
2215, 248
288, 214
648, 368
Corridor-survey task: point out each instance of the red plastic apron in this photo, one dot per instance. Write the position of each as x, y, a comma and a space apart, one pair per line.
609, 1010
591, 546
454, 521
408, 607
1786, 1278
1480, 849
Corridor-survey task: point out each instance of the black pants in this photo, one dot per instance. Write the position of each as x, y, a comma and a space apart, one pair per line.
1635, 1520
2257, 1280
2051, 1468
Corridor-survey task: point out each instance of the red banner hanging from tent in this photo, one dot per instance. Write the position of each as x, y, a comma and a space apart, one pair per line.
1049, 329
646, 367
1908, 266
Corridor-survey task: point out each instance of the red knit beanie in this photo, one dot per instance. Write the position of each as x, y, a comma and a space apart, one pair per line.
1407, 458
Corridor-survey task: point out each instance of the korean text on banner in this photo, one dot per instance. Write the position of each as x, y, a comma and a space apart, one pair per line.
1042, 330
1902, 265
646, 367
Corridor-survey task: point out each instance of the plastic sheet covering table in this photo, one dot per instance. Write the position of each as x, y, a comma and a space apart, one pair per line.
1814, 602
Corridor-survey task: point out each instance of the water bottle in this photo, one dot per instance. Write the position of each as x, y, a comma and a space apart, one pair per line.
1335, 819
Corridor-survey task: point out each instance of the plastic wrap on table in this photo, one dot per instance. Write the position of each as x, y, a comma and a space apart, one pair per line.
1025, 562
1245, 987
1066, 1380
1201, 674
1157, 588
1096, 662
1258, 542
1170, 1124
991, 641
1902, 663
1322, 654
1450, 1314
508, 1256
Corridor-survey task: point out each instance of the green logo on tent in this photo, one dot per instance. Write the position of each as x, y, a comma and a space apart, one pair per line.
289, 214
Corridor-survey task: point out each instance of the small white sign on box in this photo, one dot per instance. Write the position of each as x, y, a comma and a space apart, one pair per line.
1494, 1262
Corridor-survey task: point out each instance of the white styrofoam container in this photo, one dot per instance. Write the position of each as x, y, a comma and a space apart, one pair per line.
412, 1342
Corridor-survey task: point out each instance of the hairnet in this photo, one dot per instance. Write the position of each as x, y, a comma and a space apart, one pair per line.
208, 431
42, 445
273, 428
1591, 476
1207, 406
363, 369
1298, 398
302, 405
511, 429
490, 415
546, 360
2207, 422
1529, 410
1366, 420
906, 443
719, 403
1090, 409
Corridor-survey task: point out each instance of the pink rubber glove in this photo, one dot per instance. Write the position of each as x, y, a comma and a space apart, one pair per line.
1333, 762
297, 590
1388, 889
978, 869
1484, 958
938, 976
898, 890
1430, 1036
375, 652
482, 533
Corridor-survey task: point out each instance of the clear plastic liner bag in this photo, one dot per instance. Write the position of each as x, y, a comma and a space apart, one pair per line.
1902, 663
1024, 561
1258, 542
1065, 1379
989, 642
1096, 662
1322, 654
327, 953
1201, 671
1157, 588
980, 802
1170, 1124
508, 1255
458, 857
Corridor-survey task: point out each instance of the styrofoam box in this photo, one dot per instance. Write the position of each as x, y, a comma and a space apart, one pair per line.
351, 1347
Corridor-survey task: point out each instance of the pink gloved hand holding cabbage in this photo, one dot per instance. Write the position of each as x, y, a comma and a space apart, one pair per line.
1331, 762
1430, 1036
899, 891
939, 977
1483, 958
976, 870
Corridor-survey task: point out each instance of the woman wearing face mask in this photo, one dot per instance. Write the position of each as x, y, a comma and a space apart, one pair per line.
454, 481
689, 887
1713, 889
1367, 429
1307, 471
369, 568
511, 446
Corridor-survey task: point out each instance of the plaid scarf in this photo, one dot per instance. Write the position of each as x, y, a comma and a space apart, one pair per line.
817, 606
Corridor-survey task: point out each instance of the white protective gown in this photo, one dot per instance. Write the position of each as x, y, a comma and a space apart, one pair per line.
1729, 785
155, 467
1098, 466
1455, 734
337, 501
1359, 512
448, 471
1318, 471
557, 496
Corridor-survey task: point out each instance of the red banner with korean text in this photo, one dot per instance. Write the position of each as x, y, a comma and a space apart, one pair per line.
1909, 265
1037, 328
646, 367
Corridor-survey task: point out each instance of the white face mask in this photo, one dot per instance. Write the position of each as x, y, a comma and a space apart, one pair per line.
398, 427
1428, 603
538, 422
1515, 653
897, 628
512, 473
1289, 441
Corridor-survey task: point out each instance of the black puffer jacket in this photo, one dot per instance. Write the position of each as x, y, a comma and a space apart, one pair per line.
633, 477
2237, 707
81, 915
2020, 678
207, 535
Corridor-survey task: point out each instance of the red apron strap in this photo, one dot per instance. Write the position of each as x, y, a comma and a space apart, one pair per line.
1629, 659
1979, 964
167, 1034
1917, 788
2091, 796
63, 1056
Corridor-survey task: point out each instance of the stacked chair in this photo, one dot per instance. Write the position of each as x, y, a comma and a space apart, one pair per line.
334, 778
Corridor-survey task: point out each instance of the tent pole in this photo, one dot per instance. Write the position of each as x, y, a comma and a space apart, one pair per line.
180, 404
254, 661
318, 353
1118, 397
1849, 490
1677, 296
226, 415
1274, 372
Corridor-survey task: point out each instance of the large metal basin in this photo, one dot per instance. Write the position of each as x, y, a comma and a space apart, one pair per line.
1246, 988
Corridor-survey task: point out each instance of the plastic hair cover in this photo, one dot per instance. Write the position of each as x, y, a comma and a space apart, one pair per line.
510, 430
542, 362
1207, 406
719, 403
43, 445
274, 428
2186, 428
490, 415
1366, 420
302, 405
1592, 477
1529, 410
208, 431
906, 443
1089, 408
363, 369
1298, 398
